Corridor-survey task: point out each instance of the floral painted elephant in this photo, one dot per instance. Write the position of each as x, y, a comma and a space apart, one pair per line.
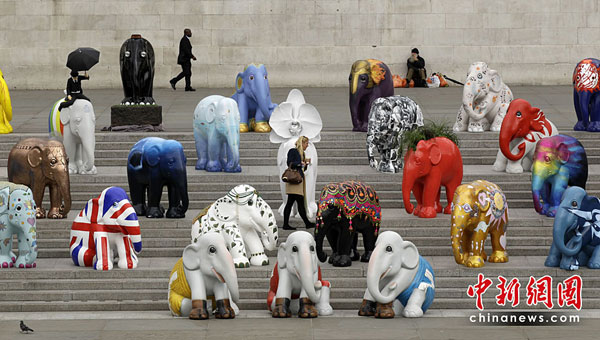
560, 161
479, 208
346, 209
39, 163
521, 130
576, 232
388, 119
369, 79
17, 216
253, 95
298, 276
75, 127
485, 100
217, 134
290, 120
435, 162
586, 88
205, 270
246, 222
396, 271
5, 107
153, 163
106, 223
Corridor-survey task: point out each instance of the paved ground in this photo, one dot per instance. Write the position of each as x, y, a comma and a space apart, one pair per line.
31, 108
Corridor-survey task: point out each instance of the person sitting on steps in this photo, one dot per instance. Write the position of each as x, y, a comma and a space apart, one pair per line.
416, 69
74, 90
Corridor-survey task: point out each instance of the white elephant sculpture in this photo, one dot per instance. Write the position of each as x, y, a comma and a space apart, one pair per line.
17, 216
297, 275
75, 127
246, 222
485, 100
397, 275
205, 270
290, 120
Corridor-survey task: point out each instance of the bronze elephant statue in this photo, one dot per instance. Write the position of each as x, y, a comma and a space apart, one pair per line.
40, 163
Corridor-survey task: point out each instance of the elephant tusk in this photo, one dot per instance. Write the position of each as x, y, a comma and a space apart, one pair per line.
385, 272
219, 276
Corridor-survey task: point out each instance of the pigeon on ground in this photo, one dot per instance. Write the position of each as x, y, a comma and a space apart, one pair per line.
24, 328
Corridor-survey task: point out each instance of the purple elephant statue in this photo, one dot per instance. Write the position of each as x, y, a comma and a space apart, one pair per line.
369, 79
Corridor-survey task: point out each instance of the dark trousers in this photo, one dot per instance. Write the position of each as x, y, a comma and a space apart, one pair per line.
74, 96
187, 73
299, 199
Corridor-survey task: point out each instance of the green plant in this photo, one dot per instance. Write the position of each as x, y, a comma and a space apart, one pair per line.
431, 129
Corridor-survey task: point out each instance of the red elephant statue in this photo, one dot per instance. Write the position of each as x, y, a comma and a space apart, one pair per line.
434, 163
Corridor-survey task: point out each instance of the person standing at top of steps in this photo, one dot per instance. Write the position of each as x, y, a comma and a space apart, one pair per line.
184, 59
296, 192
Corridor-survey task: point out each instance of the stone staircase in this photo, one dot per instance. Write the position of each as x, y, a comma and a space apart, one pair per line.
57, 285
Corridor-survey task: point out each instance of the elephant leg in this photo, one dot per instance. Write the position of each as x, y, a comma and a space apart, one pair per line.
223, 309
413, 308
230, 165
498, 236
581, 125
364, 118
500, 163
368, 242
223, 155
354, 255
594, 111
104, 257
594, 261
437, 204
462, 120
430, 192
584, 102
332, 237
155, 188
418, 192
55, 203
243, 108
138, 197
7, 258
497, 122
236, 246
175, 208
478, 125
214, 155
38, 189
344, 244
71, 150
201, 152
477, 254
24, 251
554, 257
558, 188
125, 251
465, 243
255, 249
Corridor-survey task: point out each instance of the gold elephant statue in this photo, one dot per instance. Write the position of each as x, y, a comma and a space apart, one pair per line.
479, 208
39, 163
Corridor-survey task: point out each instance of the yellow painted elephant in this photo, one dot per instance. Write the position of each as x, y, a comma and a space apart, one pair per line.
5, 107
479, 208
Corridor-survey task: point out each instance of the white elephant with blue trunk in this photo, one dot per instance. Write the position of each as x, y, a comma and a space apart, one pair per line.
253, 95
217, 134
75, 127
397, 275
205, 270
246, 222
17, 216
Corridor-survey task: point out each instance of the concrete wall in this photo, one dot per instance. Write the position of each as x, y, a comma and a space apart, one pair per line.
302, 42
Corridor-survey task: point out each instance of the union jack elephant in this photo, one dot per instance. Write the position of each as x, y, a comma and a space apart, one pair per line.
106, 223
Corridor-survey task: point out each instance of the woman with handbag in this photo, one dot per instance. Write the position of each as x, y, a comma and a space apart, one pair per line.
296, 192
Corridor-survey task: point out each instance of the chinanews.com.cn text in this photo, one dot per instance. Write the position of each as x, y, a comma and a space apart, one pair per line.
524, 318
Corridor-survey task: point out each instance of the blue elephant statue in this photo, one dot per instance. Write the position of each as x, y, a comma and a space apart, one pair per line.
576, 232
253, 95
217, 134
17, 216
586, 87
153, 163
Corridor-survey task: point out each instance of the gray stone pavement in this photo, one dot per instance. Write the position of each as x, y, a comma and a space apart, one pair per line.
31, 107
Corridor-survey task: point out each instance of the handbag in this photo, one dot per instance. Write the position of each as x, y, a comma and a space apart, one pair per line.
291, 176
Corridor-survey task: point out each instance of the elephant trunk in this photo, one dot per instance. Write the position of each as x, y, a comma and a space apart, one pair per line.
408, 180
459, 221
375, 273
469, 103
307, 277
64, 187
233, 142
537, 183
562, 224
507, 134
264, 99
319, 242
230, 278
88, 151
183, 193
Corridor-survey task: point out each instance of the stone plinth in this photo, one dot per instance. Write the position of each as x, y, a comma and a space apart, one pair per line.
121, 115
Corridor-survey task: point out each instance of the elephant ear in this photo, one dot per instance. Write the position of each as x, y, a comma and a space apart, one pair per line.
281, 256
311, 121
280, 121
410, 255
495, 81
34, 157
65, 115
191, 257
563, 153
482, 200
239, 80
152, 155
4, 198
211, 113
435, 155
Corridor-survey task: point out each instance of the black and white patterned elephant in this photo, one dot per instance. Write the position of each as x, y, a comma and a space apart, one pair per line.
388, 119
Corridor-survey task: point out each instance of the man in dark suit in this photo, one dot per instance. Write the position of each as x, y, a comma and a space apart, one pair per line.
74, 90
183, 59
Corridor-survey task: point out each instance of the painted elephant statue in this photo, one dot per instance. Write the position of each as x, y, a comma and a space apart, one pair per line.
560, 161
136, 59
253, 96
485, 100
369, 79
290, 120
576, 232
106, 224
585, 95
217, 134
205, 270
17, 216
246, 222
522, 128
39, 163
388, 119
5, 107
434, 163
396, 271
153, 163
479, 208
75, 127
298, 276
346, 209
